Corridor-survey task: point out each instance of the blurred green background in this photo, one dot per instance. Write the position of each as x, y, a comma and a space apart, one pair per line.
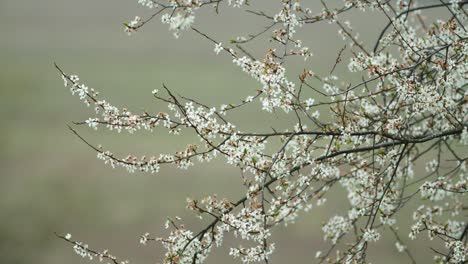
51, 182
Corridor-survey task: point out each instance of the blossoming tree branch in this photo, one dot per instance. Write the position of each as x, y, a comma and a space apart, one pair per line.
408, 109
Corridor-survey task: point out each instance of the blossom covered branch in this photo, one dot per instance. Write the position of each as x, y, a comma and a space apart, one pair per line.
409, 110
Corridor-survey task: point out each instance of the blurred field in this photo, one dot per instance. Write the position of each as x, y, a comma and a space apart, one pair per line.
51, 182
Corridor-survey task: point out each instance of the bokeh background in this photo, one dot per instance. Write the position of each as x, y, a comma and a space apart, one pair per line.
51, 182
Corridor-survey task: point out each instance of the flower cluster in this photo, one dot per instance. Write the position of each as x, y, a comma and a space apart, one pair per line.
371, 235
84, 251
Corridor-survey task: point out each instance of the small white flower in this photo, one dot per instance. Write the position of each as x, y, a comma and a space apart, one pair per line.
144, 238
132, 26
74, 78
65, 81
148, 3
371, 235
400, 247
309, 102
218, 48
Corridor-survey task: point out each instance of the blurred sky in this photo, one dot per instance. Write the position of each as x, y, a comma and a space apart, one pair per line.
51, 182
